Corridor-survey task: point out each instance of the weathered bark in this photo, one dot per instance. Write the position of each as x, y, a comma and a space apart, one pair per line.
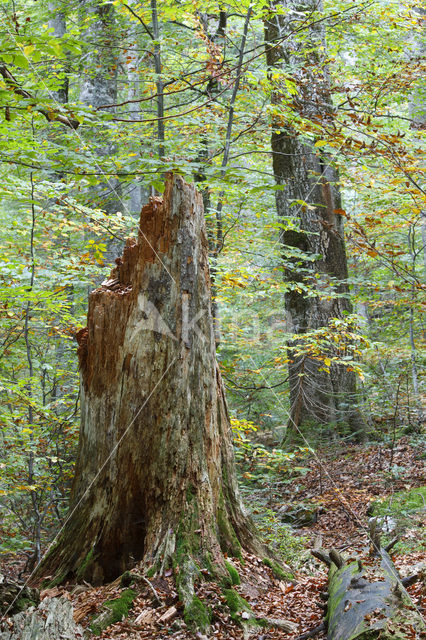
15, 597
370, 601
155, 479
314, 245
52, 620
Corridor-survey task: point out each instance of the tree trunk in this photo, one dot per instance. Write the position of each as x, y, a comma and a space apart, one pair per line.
139, 193
99, 90
57, 22
308, 202
155, 478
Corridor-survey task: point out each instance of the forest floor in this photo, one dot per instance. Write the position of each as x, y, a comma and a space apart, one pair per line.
337, 490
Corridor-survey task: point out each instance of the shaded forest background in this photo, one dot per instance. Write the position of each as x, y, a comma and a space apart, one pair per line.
98, 102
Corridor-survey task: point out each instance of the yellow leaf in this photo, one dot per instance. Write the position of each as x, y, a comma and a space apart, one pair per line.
327, 362
320, 143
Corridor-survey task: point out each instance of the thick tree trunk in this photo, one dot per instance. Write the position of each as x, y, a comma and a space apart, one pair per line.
367, 602
155, 477
314, 246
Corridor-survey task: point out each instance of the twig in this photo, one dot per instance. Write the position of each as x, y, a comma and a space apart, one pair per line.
313, 632
336, 558
147, 29
409, 580
50, 114
321, 555
391, 544
139, 576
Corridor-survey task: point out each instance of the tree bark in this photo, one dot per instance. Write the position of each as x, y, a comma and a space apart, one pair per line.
308, 202
155, 479
51, 620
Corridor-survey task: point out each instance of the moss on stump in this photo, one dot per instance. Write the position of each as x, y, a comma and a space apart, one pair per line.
114, 611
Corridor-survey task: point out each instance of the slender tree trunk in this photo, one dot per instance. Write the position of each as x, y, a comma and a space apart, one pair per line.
99, 89
204, 157
155, 479
138, 193
313, 243
159, 81
57, 22
417, 51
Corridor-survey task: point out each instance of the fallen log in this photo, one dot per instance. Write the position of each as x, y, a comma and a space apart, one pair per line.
367, 599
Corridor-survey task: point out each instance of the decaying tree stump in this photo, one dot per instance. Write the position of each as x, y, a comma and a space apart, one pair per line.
155, 479
16, 597
367, 599
51, 620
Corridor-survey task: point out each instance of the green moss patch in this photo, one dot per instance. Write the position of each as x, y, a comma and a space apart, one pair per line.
277, 570
115, 611
24, 603
84, 565
401, 512
197, 615
235, 602
403, 502
241, 611
233, 573
227, 537
58, 579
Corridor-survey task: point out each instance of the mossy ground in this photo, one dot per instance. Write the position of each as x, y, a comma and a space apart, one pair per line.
233, 573
197, 615
235, 602
119, 608
24, 603
241, 611
403, 510
402, 502
277, 570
